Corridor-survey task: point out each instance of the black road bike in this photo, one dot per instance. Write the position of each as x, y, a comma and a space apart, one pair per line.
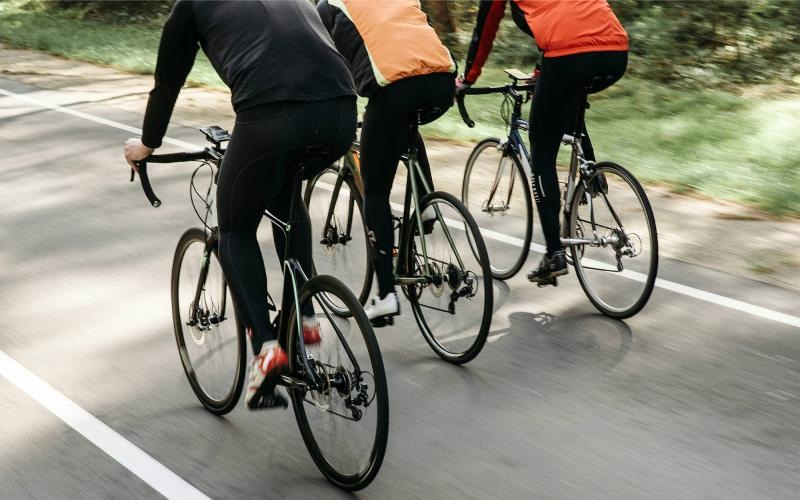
337, 387
441, 263
608, 225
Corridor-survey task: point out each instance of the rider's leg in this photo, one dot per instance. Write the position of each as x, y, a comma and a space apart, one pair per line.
384, 138
326, 122
555, 98
249, 180
558, 93
323, 118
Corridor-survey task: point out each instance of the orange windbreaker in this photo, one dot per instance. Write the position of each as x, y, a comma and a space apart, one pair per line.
560, 27
398, 39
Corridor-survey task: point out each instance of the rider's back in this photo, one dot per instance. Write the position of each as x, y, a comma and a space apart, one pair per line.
384, 41
574, 27
266, 52
270, 51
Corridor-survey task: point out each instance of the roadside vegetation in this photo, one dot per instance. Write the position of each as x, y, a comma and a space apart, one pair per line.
702, 127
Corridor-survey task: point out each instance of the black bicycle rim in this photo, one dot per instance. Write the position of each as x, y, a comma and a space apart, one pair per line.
652, 271
216, 406
357, 481
486, 282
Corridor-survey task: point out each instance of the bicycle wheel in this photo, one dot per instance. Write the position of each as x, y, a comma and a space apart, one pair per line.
211, 341
496, 192
345, 421
454, 308
618, 271
342, 246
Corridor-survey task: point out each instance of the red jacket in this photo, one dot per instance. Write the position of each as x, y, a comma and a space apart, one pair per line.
561, 28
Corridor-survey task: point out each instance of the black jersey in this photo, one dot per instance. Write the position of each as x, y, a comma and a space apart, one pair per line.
265, 51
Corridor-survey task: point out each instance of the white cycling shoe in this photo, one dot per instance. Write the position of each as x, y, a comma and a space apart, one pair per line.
381, 311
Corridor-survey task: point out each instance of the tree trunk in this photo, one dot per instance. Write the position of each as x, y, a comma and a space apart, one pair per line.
439, 13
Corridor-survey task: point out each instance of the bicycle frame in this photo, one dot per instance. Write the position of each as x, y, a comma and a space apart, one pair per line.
292, 269
351, 167
293, 279
514, 147
416, 176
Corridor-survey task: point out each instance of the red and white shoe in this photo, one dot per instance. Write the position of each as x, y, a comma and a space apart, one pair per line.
311, 334
265, 371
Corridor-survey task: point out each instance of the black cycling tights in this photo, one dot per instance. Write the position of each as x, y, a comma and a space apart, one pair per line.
385, 138
254, 177
553, 113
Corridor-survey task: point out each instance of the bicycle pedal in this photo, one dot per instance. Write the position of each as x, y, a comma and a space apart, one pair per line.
268, 401
381, 321
547, 282
291, 383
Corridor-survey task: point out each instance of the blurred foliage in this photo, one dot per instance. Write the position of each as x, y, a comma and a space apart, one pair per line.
676, 42
713, 42
120, 11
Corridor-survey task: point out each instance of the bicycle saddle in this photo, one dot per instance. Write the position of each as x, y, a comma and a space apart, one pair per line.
427, 115
311, 159
598, 83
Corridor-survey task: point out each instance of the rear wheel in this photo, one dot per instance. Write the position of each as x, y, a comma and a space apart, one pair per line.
211, 340
453, 307
344, 420
496, 192
618, 271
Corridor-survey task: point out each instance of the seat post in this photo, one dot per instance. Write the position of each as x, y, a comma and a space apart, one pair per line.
414, 130
581, 115
297, 175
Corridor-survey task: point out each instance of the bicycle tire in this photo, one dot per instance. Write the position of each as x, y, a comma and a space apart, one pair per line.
504, 272
217, 406
477, 246
366, 286
649, 281
324, 284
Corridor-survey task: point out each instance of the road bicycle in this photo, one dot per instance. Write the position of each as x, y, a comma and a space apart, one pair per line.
608, 225
441, 264
337, 387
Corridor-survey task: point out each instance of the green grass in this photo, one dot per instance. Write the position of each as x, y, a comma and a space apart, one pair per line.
710, 142
132, 47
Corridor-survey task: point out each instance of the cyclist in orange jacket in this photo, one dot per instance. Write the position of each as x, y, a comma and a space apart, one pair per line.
580, 40
399, 63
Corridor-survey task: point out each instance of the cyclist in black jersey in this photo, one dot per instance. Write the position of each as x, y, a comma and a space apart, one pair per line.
290, 88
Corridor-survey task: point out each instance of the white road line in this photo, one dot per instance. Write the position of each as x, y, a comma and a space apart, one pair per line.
91, 118
688, 291
117, 447
720, 300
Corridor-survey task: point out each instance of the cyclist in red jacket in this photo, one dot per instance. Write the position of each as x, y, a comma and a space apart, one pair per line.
580, 40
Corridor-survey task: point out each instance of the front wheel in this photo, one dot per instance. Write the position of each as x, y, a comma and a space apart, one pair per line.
211, 340
452, 297
344, 418
617, 266
340, 245
495, 190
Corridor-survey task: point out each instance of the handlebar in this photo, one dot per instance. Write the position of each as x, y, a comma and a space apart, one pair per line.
463, 110
165, 158
509, 88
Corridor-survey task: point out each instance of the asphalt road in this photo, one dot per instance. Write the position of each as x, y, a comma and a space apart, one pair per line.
689, 399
